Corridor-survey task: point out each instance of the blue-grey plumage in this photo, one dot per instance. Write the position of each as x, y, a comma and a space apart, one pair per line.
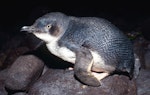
92, 44
100, 35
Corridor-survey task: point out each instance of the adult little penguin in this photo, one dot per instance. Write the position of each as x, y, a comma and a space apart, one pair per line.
96, 47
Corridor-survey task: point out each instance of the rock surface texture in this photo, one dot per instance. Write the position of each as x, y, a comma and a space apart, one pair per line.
62, 82
25, 70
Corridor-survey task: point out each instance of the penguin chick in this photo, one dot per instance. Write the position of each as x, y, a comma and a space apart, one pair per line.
96, 47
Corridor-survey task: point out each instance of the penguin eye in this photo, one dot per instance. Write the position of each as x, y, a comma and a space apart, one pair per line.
48, 26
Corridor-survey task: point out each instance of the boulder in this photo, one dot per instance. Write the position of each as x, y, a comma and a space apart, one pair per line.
143, 82
63, 82
23, 72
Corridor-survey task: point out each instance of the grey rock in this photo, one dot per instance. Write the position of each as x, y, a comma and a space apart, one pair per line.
143, 82
2, 59
137, 65
147, 58
62, 82
139, 45
3, 74
2, 88
13, 54
23, 72
45, 69
3, 77
20, 93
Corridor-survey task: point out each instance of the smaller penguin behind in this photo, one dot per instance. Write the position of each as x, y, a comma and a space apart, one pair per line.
95, 46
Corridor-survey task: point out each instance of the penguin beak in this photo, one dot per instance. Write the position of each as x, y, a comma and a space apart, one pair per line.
29, 29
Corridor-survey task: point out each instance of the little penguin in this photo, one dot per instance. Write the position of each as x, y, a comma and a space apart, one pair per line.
95, 46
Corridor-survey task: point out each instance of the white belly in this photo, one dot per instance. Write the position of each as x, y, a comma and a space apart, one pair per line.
67, 55
62, 52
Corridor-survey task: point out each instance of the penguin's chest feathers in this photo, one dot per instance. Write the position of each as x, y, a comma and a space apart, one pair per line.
62, 52
68, 55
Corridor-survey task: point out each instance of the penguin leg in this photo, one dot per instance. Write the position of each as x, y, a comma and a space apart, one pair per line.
82, 68
100, 76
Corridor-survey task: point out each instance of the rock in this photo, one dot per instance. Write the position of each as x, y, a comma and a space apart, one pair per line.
139, 49
143, 82
2, 59
20, 93
12, 55
3, 77
23, 72
16, 45
147, 58
2, 88
45, 69
3, 74
62, 82
137, 65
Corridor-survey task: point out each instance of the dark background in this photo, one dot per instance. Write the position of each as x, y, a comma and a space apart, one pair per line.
127, 14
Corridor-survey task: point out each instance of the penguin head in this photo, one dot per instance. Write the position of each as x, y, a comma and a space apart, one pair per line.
48, 27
